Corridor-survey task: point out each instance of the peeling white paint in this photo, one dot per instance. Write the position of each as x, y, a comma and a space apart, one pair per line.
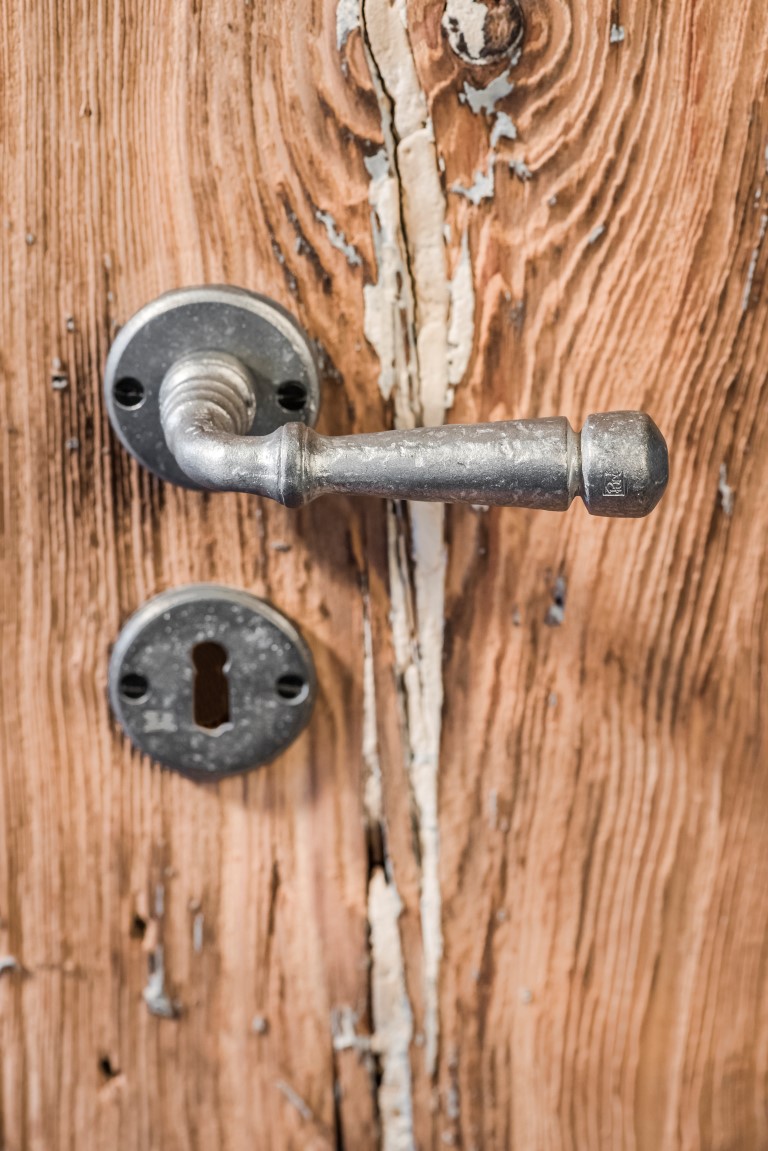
503, 129
520, 169
392, 1015
412, 329
753, 264
295, 1099
484, 100
461, 322
198, 924
9, 963
452, 1095
155, 996
347, 20
372, 797
343, 1031
617, 34
595, 234
394, 70
424, 685
338, 239
493, 809
725, 491
482, 186
385, 323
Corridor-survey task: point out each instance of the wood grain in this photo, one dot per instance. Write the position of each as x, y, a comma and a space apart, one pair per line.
602, 795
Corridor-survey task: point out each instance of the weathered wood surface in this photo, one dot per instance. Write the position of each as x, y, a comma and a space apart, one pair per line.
524, 910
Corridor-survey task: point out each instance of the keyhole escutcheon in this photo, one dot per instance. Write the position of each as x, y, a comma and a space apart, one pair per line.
211, 687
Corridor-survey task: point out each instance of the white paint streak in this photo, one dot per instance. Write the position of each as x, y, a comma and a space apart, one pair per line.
725, 491
387, 33
753, 264
339, 240
412, 159
595, 234
198, 924
424, 686
392, 1015
617, 34
372, 798
9, 963
347, 20
461, 323
407, 322
155, 996
493, 809
385, 322
294, 1099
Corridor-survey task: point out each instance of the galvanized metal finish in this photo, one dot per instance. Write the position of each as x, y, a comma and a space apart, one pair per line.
270, 349
618, 464
269, 672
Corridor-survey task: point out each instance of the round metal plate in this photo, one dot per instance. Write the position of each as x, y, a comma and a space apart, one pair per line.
255, 330
269, 673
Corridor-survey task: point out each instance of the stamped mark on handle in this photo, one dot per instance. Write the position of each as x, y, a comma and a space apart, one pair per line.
613, 484
211, 688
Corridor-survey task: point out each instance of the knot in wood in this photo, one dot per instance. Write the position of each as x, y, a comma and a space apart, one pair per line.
484, 31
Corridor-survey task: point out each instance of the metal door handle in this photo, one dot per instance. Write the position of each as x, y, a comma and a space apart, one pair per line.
202, 383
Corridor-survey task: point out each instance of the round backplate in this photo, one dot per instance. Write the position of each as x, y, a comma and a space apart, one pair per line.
262, 688
257, 331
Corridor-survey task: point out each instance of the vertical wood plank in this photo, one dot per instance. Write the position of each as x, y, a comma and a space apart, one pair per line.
600, 783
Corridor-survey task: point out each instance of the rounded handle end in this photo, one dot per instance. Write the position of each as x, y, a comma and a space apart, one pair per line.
624, 464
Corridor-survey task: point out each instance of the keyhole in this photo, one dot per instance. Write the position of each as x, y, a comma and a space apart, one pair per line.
211, 690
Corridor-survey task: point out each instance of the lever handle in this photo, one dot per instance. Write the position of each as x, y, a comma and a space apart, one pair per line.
618, 465
211, 406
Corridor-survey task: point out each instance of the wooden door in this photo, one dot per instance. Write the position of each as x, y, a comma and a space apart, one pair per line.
510, 889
